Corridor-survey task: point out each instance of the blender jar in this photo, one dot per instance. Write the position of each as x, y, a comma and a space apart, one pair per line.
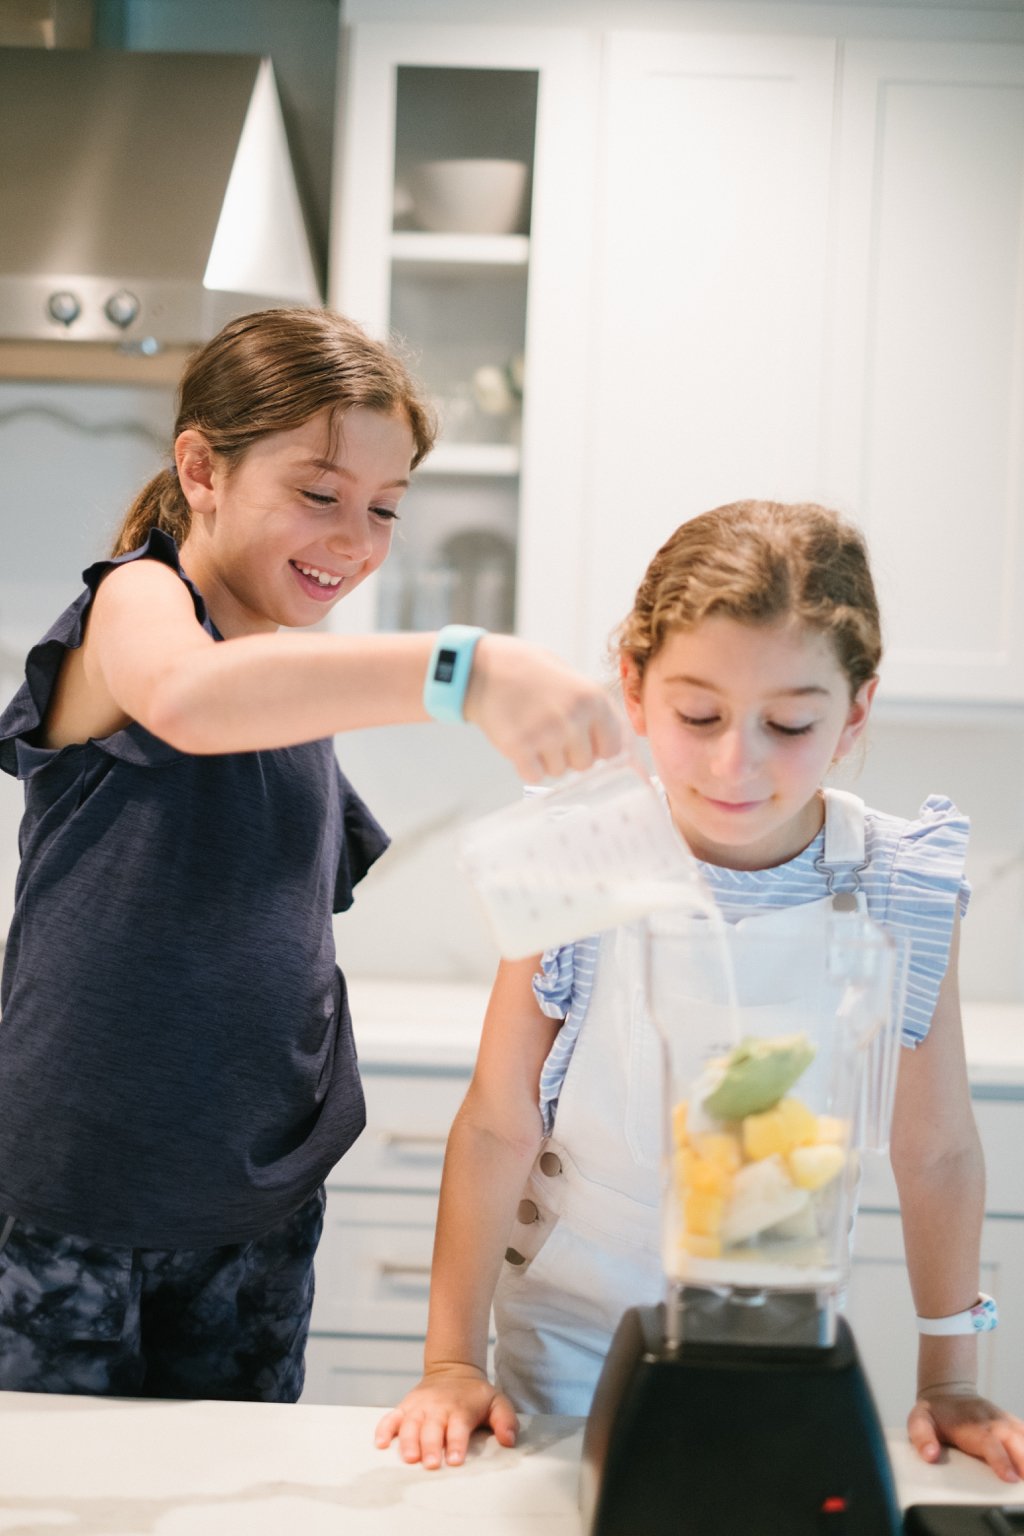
780, 1046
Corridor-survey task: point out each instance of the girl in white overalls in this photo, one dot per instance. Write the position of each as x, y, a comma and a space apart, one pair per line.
750, 662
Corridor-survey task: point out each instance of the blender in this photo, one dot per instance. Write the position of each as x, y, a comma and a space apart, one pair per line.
739, 1404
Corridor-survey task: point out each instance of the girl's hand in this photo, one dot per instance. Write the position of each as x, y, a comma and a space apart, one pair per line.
538, 712
434, 1421
955, 1415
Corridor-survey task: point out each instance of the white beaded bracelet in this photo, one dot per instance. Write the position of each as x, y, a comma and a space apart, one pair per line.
980, 1318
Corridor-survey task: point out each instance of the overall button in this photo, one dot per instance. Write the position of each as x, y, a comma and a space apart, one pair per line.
550, 1164
527, 1212
513, 1256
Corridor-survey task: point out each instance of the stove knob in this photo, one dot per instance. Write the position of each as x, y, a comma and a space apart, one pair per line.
121, 308
63, 307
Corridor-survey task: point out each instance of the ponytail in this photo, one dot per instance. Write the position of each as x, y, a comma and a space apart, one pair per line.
160, 504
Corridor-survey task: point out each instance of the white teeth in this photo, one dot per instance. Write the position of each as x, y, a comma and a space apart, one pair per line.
322, 577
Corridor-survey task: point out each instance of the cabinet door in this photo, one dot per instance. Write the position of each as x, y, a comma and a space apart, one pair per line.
925, 431
363, 1371
498, 517
709, 315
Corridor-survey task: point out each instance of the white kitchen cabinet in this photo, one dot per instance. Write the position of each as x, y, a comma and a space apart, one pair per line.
709, 306
771, 261
925, 415
373, 1265
879, 1306
417, 1044
495, 503
810, 255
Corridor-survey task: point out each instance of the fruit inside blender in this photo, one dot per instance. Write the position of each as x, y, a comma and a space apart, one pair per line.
755, 1171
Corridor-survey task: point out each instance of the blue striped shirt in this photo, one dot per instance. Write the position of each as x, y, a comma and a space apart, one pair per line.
914, 884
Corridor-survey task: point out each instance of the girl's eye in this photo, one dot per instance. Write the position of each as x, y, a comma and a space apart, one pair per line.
791, 730
703, 720
318, 499
389, 514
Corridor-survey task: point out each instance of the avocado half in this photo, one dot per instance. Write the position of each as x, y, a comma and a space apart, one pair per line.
757, 1075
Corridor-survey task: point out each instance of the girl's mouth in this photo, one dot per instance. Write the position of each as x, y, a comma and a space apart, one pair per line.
318, 584
734, 807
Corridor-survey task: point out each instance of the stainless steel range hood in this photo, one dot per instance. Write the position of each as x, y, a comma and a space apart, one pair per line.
144, 197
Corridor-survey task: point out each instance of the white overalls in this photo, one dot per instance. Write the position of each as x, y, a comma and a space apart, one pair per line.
587, 1239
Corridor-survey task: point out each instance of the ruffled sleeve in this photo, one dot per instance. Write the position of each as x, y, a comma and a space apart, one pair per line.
926, 891
363, 842
552, 984
25, 713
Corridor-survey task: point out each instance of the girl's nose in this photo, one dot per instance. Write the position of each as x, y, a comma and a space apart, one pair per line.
734, 756
351, 537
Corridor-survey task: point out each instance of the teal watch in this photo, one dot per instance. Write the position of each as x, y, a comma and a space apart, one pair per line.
444, 690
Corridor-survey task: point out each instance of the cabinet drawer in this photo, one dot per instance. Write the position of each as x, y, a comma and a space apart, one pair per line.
407, 1122
1000, 1125
373, 1263
372, 1372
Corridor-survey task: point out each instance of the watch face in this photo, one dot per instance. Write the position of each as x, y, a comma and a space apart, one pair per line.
445, 669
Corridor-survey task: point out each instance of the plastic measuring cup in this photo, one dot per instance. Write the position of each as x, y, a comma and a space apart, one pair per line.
597, 850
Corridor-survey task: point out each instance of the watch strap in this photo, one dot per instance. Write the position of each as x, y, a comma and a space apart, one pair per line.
980, 1318
451, 662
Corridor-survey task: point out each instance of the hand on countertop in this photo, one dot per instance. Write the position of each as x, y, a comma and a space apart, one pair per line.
961, 1418
434, 1421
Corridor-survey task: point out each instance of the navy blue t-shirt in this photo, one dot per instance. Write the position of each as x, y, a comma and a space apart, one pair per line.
177, 1068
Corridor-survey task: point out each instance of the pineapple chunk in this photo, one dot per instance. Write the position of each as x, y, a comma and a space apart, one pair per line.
832, 1129
702, 1213
719, 1147
813, 1167
709, 1177
790, 1124
679, 1122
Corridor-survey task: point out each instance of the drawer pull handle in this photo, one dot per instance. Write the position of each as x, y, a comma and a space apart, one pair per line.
389, 1270
399, 1139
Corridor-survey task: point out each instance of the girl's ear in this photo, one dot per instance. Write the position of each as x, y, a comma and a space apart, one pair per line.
194, 458
632, 694
857, 719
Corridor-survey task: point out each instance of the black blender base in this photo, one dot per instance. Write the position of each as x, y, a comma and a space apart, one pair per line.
726, 1440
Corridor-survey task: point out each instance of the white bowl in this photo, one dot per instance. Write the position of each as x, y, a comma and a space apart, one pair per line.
470, 197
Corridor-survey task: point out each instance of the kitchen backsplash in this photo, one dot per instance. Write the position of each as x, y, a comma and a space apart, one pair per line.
71, 458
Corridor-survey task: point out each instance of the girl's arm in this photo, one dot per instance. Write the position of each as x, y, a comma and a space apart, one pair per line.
940, 1173
491, 1148
146, 658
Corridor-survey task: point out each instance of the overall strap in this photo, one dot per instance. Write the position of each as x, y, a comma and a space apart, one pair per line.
845, 844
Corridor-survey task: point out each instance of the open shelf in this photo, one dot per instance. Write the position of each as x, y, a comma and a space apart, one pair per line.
490, 459
413, 247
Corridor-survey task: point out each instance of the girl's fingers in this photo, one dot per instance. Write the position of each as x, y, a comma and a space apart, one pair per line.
387, 1428
999, 1448
410, 1436
504, 1421
460, 1427
431, 1442
922, 1434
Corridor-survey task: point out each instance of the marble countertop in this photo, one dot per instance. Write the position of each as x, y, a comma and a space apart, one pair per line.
437, 1024
110, 1467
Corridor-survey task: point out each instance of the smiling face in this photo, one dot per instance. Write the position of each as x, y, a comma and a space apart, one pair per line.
306, 515
744, 722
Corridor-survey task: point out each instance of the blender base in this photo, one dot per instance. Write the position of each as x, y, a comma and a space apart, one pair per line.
715, 1439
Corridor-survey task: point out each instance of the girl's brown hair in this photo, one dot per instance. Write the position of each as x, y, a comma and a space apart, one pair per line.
268, 372
761, 562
